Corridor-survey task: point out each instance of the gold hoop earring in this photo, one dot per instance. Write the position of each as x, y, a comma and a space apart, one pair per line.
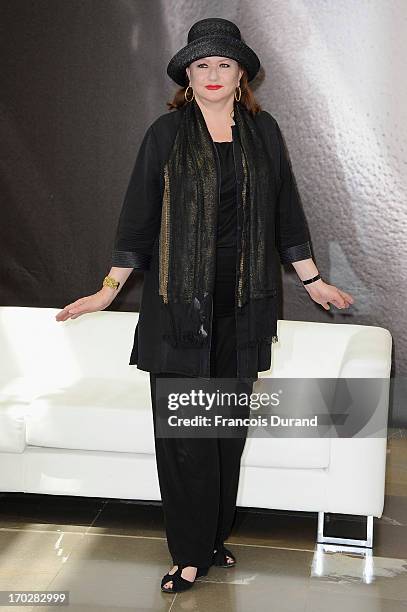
185, 94
240, 93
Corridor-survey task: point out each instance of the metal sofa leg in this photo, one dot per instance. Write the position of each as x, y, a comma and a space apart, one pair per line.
321, 539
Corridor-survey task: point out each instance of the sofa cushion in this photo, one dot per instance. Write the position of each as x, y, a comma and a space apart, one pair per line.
307, 453
105, 415
94, 414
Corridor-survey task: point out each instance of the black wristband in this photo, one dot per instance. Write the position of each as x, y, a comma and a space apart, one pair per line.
311, 280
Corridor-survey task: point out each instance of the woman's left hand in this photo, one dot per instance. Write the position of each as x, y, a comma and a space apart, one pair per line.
322, 293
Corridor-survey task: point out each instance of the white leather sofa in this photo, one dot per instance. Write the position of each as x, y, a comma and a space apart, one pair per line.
75, 418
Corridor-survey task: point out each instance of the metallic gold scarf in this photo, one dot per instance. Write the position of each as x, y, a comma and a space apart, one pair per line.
187, 246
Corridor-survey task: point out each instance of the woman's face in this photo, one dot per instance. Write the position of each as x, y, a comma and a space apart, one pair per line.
207, 72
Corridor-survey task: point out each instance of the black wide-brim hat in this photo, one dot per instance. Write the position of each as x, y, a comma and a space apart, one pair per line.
208, 37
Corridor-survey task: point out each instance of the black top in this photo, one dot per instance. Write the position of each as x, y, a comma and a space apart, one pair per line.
227, 213
225, 279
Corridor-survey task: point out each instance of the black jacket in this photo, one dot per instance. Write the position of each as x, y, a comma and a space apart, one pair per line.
137, 246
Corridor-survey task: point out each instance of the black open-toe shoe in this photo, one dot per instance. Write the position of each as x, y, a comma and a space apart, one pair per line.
219, 557
178, 582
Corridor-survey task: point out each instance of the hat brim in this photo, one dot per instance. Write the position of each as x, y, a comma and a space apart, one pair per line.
209, 46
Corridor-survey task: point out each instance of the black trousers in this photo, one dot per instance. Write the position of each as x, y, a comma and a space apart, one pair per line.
199, 477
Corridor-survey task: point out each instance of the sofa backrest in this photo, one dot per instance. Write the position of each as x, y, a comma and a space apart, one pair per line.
98, 345
312, 349
36, 346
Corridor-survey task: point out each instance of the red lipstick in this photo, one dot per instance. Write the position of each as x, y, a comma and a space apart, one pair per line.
213, 86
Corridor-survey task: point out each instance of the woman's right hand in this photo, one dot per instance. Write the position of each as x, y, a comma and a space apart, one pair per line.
90, 303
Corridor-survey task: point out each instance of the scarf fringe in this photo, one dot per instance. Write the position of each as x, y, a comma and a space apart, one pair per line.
253, 343
189, 340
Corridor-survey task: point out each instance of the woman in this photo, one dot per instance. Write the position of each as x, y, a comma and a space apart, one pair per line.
210, 213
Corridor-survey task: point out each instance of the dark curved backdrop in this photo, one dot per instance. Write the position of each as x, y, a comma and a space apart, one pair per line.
82, 80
